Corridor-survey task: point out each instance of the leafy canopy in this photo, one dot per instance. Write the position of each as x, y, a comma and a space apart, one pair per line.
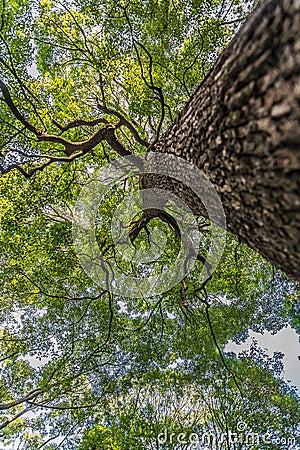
80, 367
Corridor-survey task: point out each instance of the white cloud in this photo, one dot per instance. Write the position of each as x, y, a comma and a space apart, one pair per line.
285, 341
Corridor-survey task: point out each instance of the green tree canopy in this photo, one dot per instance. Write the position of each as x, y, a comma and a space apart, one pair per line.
83, 83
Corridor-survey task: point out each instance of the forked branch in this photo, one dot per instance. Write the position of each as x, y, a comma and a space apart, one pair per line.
72, 150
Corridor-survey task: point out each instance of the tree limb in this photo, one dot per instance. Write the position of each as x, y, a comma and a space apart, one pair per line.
32, 395
106, 133
79, 123
9, 421
126, 123
15, 110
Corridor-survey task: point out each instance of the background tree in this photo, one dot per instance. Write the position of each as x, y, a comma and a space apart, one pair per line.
272, 143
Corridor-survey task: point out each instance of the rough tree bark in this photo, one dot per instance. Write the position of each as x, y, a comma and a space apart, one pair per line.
242, 129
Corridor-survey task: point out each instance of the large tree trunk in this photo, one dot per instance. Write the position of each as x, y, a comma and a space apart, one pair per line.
242, 129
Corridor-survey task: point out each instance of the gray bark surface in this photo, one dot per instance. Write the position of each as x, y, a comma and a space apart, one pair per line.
242, 129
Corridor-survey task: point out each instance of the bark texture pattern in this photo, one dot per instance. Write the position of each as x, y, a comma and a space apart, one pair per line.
242, 129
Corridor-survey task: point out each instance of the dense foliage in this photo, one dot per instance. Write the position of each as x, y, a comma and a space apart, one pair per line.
82, 368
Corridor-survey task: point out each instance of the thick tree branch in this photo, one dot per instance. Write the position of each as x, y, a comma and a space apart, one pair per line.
32, 395
126, 123
106, 133
73, 150
15, 110
21, 413
12, 69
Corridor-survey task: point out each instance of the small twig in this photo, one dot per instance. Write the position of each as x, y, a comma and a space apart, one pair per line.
229, 370
79, 123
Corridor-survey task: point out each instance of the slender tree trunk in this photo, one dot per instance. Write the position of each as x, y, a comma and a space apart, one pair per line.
242, 129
